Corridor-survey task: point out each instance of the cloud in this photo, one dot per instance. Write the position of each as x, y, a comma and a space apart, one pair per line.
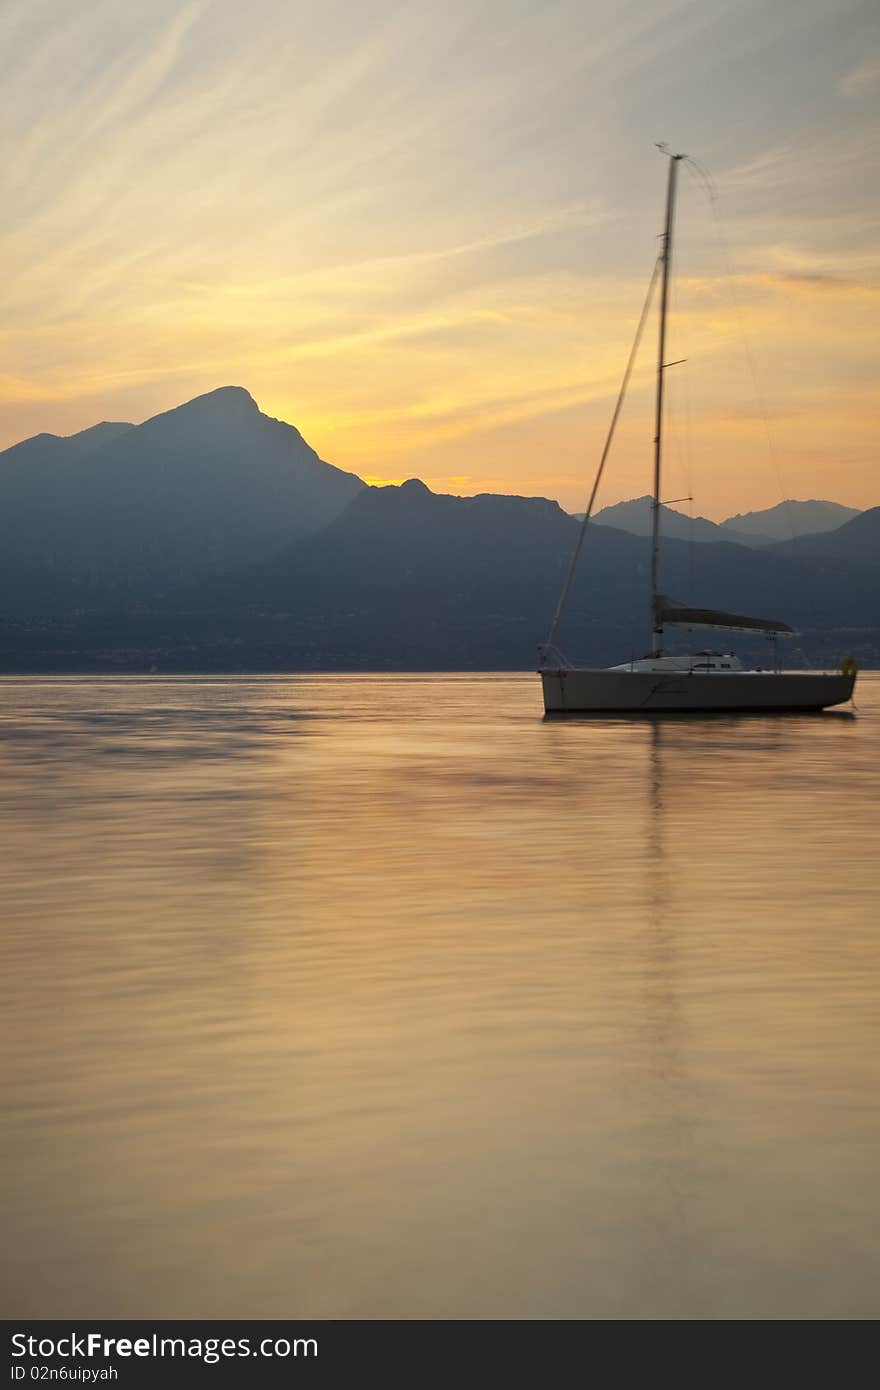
818, 281
859, 81
422, 233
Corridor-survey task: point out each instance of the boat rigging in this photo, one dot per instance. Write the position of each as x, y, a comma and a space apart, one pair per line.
705, 681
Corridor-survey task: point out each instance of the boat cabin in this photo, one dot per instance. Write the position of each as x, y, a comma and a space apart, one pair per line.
704, 662
714, 661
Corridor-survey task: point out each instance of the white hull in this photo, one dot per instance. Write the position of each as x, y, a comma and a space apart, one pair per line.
647, 692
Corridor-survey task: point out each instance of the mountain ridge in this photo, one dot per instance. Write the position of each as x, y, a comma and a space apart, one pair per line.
197, 489
411, 577
856, 541
636, 516
759, 528
792, 517
212, 536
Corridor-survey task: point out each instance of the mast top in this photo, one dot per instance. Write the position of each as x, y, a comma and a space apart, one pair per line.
664, 149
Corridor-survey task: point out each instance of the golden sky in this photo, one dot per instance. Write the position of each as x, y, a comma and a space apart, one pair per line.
422, 233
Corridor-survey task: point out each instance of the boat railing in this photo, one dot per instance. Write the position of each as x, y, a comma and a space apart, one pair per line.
548, 652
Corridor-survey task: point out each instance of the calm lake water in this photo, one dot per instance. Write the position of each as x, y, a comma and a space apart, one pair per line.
379, 996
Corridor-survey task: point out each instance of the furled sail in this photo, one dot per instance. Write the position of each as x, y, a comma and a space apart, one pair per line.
668, 612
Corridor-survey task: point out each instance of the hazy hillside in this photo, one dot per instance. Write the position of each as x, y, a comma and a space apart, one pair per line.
214, 538
856, 543
759, 528
406, 571
46, 450
790, 518
636, 516
404, 577
122, 512
30, 473
407, 548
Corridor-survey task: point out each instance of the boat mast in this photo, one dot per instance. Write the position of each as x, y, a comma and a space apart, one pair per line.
665, 258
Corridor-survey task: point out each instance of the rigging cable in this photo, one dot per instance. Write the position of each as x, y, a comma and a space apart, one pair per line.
548, 645
689, 479
702, 175
681, 443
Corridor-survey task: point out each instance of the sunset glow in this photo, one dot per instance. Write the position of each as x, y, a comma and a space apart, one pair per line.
423, 238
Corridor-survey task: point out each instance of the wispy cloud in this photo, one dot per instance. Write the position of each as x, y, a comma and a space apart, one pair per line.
861, 79
819, 281
423, 232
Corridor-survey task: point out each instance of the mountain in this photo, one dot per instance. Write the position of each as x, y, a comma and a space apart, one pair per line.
406, 549
854, 544
30, 471
213, 538
790, 518
406, 570
407, 579
44, 450
760, 528
636, 516
121, 512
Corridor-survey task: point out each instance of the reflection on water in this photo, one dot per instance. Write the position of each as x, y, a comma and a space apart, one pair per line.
370, 996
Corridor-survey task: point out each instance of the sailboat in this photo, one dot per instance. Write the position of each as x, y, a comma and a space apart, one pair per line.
704, 681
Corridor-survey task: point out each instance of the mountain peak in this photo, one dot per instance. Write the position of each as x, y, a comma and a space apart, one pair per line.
225, 398
227, 409
637, 517
793, 517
